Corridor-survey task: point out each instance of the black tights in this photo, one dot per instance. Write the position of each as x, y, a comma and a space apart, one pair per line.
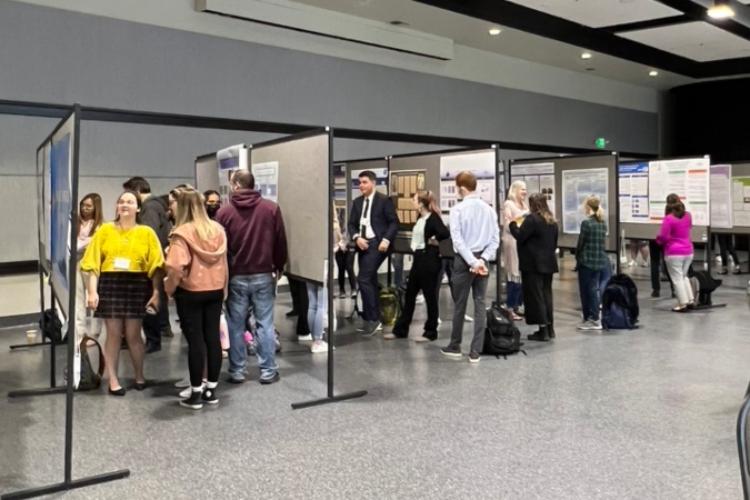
200, 313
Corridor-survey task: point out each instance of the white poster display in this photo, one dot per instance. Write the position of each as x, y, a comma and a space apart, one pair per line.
481, 164
381, 181
577, 185
721, 196
689, 179
230, 160
633, 195
741, 201
539, 178
267, 179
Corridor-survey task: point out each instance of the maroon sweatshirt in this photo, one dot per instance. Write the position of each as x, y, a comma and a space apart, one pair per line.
256, 239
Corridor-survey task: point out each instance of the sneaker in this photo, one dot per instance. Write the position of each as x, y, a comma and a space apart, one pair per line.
270, 380
427, 337
453, 352
354, 294
185, 393
370, 328
468, 318
194, 401
440, 321
236, 378
209, 396
320, 346
586, 325
304, 338
474, 357
390, 336
655, 294
595, 325
185, 382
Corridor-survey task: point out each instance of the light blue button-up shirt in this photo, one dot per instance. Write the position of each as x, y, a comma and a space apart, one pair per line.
474, 229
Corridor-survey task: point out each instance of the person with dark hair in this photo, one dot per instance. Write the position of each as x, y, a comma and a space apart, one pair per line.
674, 237
475, 234
372, 225
592, 262
154, 215
90, 218
124, 260
427, 232
213, 202
257, 252
536, 235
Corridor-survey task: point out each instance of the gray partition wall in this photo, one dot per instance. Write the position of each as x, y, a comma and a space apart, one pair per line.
738, 170
207, 173
304, 175
583, 162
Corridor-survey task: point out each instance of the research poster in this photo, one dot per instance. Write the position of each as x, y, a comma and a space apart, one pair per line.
539, 178
689, 179
267, 179
229, 161
404, 184
633, 196
43, 186
381, 181
577, 185
721, 196
481, 164
61, 189
741, 201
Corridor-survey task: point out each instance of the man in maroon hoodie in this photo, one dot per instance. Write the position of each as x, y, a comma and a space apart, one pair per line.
257, 254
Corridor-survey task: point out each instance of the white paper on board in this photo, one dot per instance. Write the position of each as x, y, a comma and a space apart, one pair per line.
267, 179
481, 164
741, 201
689, 179
229, 160
721, 196
577, 185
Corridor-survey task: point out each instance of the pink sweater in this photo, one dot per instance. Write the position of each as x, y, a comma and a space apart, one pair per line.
674, 235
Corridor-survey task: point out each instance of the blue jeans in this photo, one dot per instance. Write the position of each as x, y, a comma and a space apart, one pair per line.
397, 261
258, 290
317, 309
589, 282
515, 294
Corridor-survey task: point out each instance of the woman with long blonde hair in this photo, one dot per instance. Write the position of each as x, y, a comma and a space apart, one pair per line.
514, 207
197, 277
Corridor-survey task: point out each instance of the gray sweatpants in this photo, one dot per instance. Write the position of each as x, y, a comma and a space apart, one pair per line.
464, 281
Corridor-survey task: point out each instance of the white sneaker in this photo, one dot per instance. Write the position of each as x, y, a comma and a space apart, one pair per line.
440, 321
185, 382
468, 318
586, 325
320, 346
305, 338
185, 393
595, 325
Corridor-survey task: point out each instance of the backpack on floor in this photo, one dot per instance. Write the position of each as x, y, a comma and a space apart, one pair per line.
390, 305
703, 286
620, 304
90, 379
51, 326
501, 337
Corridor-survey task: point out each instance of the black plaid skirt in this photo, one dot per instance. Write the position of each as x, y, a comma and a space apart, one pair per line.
123, 295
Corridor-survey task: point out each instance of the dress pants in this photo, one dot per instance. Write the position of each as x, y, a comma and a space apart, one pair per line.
155, 324
298, 290
422, 277
537, 297
345, 264
464, 281
369, 262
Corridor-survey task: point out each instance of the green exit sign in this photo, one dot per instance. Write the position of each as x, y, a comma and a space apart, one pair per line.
600, 143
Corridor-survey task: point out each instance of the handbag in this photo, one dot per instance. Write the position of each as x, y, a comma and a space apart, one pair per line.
90, 379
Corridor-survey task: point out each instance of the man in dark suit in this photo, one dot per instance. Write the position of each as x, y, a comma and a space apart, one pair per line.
373, 225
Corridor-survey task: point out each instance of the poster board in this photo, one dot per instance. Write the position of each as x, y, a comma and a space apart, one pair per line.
340, 193
482, 163
539, 177
228, 161
740, 194
402, 186
304, 171
207, 173
721, 196
633, 192
43, 205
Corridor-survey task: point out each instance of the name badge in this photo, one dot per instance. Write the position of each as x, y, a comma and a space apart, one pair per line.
364, 221
122, 264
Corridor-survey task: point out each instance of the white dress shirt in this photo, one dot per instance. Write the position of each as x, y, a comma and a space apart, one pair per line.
474, 228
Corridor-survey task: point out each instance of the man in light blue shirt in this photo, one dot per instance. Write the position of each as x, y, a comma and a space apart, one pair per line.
476, 235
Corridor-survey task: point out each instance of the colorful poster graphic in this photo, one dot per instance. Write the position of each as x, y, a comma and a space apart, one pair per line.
577, 185
689, 179
633, 192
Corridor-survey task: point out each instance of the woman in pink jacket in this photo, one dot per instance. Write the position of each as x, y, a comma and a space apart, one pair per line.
674, 237
197, 275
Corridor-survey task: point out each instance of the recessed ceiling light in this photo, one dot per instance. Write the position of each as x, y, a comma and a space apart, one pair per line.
494, 31
720, 10
586, 55
653, 72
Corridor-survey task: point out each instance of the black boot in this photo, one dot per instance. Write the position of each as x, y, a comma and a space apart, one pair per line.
551, 331
542, 335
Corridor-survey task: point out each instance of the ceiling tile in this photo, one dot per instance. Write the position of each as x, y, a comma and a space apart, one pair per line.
598, 13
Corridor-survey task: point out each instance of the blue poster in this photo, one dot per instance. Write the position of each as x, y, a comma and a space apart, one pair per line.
60, 216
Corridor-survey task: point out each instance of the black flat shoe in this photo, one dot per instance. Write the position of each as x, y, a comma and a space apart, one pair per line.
540, 336
139, 386
117, 392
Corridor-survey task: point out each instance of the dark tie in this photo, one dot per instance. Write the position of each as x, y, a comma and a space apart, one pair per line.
363, 230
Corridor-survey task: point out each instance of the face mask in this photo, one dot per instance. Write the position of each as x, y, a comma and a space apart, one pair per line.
212, 209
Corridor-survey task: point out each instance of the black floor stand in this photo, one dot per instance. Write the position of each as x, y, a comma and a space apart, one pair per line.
52, 389
35, 344
67, 485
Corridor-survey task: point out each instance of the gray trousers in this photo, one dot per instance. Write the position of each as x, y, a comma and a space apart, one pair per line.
464, 281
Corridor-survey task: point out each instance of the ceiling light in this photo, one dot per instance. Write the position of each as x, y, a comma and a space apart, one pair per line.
653, 72
721, 10
586, 55
494, 31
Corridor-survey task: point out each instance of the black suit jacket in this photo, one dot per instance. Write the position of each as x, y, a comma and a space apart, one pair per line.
434, 226
536, 241
383, 217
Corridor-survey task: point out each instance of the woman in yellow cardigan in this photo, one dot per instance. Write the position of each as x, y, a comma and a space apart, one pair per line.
124, 260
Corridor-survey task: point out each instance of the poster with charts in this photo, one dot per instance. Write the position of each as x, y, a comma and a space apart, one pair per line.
633, 195
267, 179
721, 196
741, 201
481, 164
689, 179
229, 161
577, 185
539, 178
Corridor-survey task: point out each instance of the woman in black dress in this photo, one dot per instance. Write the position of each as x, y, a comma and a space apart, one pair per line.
536, 237
427, 232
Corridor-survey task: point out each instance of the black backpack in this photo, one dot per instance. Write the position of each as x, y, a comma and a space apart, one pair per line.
51, 326
706, 285
501, 337
620, 304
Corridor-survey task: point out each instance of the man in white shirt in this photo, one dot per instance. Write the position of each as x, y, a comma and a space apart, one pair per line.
476, 235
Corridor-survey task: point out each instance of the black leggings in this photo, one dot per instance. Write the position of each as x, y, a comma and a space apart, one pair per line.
345, 264
200, 314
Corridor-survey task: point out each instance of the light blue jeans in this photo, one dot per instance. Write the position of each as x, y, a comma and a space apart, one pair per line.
260, 291
317, 299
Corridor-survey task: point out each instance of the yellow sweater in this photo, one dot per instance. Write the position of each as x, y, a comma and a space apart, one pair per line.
112, 248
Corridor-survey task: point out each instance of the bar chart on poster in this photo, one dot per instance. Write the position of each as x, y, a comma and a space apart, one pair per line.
689, 179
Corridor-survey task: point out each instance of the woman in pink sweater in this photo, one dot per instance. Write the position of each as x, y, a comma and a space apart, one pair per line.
674, 237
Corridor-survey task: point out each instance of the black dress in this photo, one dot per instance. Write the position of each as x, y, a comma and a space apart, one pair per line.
537, 240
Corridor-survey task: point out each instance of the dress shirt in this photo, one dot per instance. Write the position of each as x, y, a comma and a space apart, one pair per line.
364, 219
474, 229
417, 235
